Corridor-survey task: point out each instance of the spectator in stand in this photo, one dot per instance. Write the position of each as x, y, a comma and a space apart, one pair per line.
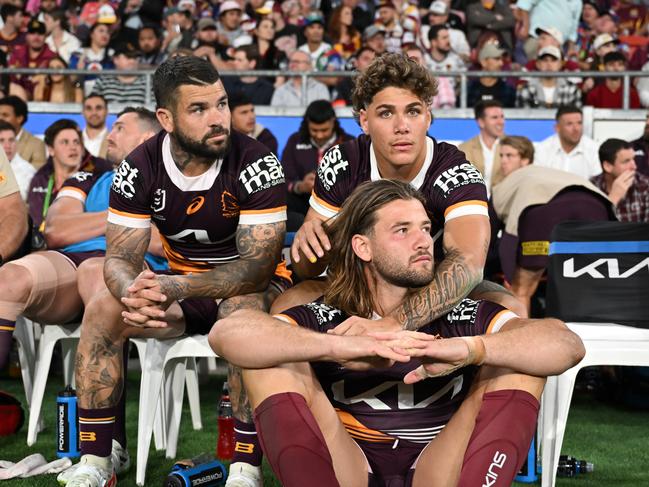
245, 121
149, 41
548, 92
362, 11
23, 170
627, 188
290, 93
483, 150
361, 60
602, 45
490, 87
124, 88
346, 39
206, 44
319, 130
10, 34
413, 51
561, 14
270, 57
14, 110
13, 214
95, 133
387, 18
179, 32
56, 88
59, 39
442, 58
314, 35
641, 147
96, 56
488, 15
609, 93
135, 14
549, 36
374, 37
569, 149
257, 89
286, 34
33, 54
66, 156
587, 32
229, 24
438, 15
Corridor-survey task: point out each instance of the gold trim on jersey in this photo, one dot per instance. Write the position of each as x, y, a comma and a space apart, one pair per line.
361, 432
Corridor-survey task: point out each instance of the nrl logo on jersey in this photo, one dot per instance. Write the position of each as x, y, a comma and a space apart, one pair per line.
323, 313
332, 163
159, 200
124, 179
458, 176
467, 310
262, 174
82, 176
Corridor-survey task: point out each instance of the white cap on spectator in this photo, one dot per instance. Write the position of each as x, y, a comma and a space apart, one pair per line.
438, 7
602, 40
106, 15
187, 5
242, 40
229, 5
490, 51
553, 31
553, 51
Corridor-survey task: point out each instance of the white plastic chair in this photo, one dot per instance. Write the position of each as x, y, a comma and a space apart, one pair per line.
24, 335
168, 365
606, 344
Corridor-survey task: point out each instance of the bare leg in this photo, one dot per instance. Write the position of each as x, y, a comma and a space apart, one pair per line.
524, 284
90, 278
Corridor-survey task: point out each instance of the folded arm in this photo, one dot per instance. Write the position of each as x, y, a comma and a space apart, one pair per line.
13, 224
67, 223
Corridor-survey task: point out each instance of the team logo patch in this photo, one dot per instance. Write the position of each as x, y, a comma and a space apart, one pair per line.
159, 199
82, 176
333, 163
124, 179
467, 310
323, 313
229, 205
262, 174
458, 176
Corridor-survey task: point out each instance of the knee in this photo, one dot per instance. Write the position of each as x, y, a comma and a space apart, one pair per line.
16, 283
103, 312
89, 272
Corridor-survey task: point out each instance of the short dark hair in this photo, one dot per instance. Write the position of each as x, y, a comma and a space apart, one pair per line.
156, 30
565, 109
18, 104
7, 126
392, 70
95, 95
481, 107
238, 99
8, 10
178, 71
318, 111
434, 30
251, 51
59, 14
62, 124
146, 118
609, 149
362, 49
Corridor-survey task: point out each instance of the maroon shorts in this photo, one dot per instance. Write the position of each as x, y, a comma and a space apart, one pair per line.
78, 257
530, 249
391, 466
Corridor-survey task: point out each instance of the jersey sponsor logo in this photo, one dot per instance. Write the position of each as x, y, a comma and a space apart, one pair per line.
332, 163
497, 463
82, 176
195, 205
458, 176
303, 146
124, 179
405, 395
262, 174
229, 205
597, 269
159, 199
195, 235
467, 310
323, 313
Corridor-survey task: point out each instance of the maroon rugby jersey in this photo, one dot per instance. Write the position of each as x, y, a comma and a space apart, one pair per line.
376, 405
452, 186
198, 216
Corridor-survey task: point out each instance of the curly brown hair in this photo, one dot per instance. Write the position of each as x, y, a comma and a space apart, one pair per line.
392, 70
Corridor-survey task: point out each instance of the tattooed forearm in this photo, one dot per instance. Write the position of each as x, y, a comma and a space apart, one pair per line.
454, 279
259, 248
125, 249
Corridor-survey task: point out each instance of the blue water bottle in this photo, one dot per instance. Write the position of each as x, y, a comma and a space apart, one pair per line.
67, 424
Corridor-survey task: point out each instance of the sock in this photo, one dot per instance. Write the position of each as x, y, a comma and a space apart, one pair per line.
501, 438
246, 444
7, 328
96, 431
119, 430
293, 442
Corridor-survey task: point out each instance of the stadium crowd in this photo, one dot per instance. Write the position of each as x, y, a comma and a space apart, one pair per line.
93, 202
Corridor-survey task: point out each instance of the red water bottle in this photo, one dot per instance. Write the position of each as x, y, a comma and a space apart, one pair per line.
225, 445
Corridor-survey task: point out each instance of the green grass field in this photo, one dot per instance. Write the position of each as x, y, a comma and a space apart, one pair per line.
614, 439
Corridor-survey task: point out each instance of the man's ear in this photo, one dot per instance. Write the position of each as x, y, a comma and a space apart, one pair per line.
166, 119
361, 247
362, 120
607, 167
